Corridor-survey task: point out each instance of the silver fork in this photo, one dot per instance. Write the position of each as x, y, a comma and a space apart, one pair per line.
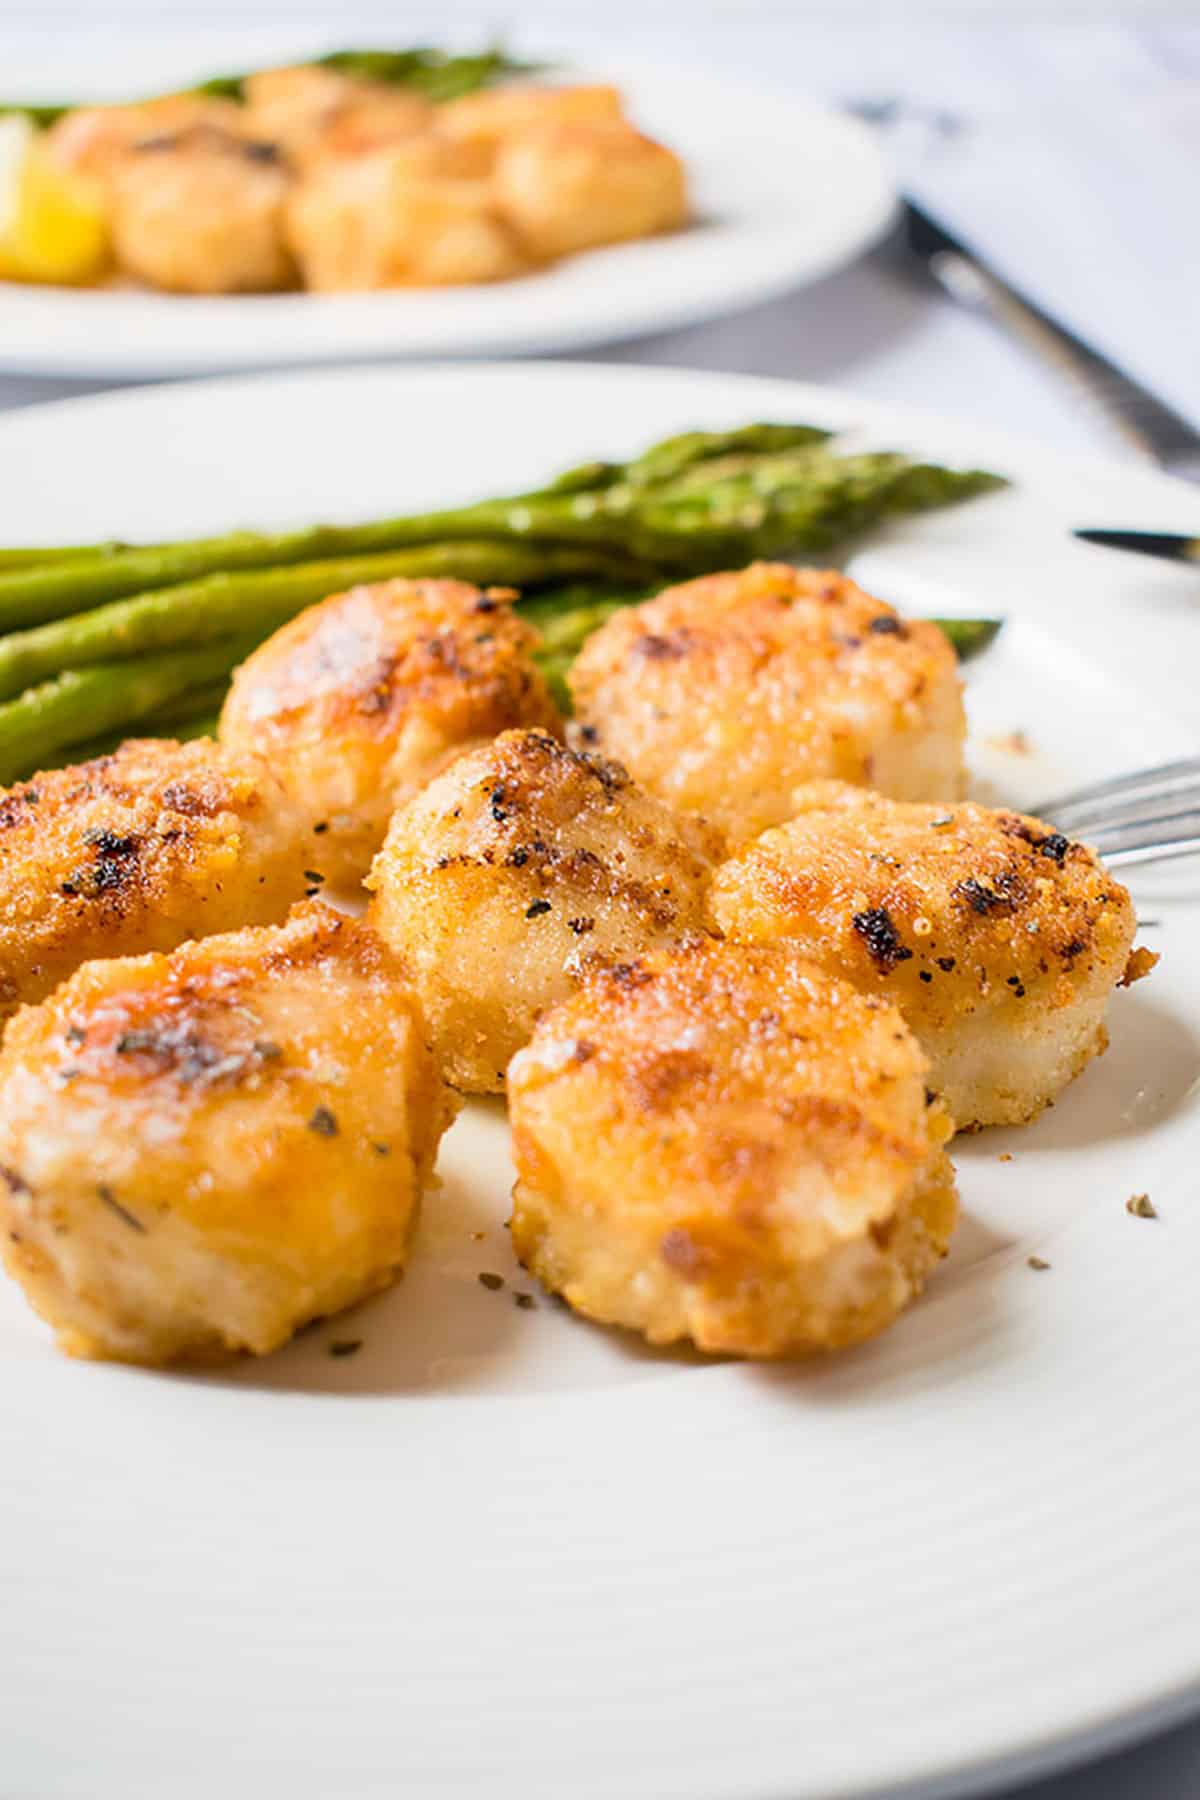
1152, 815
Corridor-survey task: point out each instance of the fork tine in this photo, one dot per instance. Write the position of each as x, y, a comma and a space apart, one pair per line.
1164, 781
1151, 838
1125, 858
1132, 809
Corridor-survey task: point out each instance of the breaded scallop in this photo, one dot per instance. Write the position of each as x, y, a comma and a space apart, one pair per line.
200, 1152
511, 871
721, 695
201, 211
999, 940
724, 1144
403, 216
485, 120
138, 851
93, 140
362, 699
314, 113
566, 187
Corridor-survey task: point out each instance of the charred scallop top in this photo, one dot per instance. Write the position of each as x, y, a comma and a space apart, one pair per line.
105, 832
134, 851
721, 694
532, 805
363, 661
286, 1059
759, 623
957, 903
188, 1022
738, 1063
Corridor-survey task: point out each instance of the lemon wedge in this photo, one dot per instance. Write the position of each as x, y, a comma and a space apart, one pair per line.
53, 226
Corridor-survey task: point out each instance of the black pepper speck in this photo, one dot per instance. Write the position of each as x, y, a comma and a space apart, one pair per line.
877, 930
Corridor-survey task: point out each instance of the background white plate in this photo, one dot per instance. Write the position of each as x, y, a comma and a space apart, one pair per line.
502, 1553
784, 191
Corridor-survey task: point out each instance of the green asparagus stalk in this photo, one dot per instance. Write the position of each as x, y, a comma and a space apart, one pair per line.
434, 73
31, 596
83, 704
27, 559
201, 725
204, 702
672, 456
969, 636
183, 730
257, 602
606, 516
565, 626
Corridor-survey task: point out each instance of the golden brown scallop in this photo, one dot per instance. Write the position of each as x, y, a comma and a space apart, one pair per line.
200, 1152
566, 187
362, 699
721, 695
402, 216
201, 211
93, 140
138, 851
510, 872
722, 1143
486, 120
315, 113
999, 940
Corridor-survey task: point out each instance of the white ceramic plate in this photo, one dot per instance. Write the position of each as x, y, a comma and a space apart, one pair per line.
784, 191
500, 1552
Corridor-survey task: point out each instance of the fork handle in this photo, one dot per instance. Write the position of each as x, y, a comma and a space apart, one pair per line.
1147, 423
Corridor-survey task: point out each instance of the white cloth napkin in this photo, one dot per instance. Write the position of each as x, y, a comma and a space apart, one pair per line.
1095, 212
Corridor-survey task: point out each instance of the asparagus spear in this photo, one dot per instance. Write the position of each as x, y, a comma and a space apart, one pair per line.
672, 456
26, 559
81, 704
721, 509
257, 602
203, 702
565, 626
183, 730
970, 637
31, 595
434, 73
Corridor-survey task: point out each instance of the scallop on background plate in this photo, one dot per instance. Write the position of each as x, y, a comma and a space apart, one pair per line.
784, 191
502, 1552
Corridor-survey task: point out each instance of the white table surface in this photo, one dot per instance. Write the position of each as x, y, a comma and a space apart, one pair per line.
1076, 164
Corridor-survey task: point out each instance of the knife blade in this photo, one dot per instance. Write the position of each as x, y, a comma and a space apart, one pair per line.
1169, 545
1155, 429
